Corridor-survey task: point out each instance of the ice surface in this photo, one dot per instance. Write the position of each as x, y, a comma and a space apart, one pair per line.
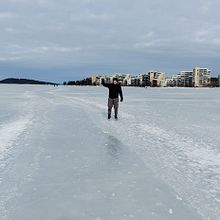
60, 158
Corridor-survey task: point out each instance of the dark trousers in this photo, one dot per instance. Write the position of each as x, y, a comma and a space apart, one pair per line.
111, 103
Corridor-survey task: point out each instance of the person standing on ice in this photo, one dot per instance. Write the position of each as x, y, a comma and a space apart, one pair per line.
113, 98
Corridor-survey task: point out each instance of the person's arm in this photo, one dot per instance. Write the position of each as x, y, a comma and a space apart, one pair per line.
104, 84
120, 93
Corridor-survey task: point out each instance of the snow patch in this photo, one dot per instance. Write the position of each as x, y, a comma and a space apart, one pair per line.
10, 132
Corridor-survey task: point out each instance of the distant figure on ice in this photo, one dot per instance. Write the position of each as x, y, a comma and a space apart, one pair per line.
113, 99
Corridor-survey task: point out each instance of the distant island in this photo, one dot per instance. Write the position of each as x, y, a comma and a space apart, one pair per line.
25, 81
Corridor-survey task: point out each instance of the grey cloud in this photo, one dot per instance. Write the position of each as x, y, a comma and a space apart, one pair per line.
125, 34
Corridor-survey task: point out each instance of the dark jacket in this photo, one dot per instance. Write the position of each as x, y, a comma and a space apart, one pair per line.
114, 90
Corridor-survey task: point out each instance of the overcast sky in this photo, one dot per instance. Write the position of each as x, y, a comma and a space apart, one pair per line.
61, 40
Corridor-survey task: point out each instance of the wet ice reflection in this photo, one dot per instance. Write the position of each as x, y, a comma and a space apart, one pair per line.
113, 147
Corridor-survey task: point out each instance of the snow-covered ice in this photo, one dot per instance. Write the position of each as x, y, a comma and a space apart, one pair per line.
60, 158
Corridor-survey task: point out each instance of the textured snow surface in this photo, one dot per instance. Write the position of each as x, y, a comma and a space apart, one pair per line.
60, 158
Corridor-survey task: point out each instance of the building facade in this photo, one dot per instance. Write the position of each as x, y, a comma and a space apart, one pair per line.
201, 77
157, 78
184, 79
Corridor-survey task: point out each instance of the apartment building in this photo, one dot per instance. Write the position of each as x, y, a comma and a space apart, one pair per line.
184, 79
157, 78
201, 77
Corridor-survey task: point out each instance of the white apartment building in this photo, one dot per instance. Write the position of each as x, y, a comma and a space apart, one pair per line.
157, 78
201, 77
184, 78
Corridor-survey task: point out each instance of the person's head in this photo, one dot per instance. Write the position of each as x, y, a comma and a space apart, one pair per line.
115, 81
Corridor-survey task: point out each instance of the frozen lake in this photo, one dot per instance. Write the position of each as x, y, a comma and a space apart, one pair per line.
60, 158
